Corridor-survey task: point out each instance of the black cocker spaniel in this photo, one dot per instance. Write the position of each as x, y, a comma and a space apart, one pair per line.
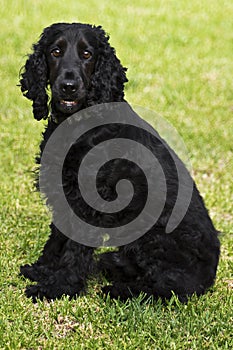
80, 67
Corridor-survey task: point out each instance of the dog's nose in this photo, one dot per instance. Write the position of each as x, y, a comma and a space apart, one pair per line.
69, 86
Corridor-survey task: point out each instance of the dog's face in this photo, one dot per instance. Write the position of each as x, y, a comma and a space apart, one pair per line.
80, 66
71, 61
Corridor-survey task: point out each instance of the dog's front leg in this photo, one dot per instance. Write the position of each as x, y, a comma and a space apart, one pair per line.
49, 258
62, 268
69, 277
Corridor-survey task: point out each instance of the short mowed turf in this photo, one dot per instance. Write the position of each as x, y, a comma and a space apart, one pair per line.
179, 58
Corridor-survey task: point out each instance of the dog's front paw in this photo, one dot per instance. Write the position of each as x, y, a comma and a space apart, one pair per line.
35, 292
51, 289
35, 272
29, 271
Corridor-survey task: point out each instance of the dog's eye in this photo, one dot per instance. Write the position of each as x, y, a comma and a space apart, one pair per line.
56, 52
86, 54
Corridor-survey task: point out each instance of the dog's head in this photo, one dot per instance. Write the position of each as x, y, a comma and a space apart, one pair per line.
78, 64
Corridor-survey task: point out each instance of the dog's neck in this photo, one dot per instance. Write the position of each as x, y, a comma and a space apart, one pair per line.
57, 118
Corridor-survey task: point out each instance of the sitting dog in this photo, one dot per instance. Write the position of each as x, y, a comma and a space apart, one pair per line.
78, 64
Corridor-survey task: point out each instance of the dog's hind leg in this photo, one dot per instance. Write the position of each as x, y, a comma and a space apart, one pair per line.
118, 267
124, 274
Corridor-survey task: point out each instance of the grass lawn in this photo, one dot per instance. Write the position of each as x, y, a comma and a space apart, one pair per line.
179, 55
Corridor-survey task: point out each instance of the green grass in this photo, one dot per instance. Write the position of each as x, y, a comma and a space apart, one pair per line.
179, 56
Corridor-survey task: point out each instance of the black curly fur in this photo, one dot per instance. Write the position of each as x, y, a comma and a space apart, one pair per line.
184, 261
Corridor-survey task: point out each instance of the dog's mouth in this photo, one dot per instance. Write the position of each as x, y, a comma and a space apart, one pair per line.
69, 103
69, 106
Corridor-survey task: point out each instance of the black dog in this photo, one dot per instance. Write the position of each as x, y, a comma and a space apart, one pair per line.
82, 70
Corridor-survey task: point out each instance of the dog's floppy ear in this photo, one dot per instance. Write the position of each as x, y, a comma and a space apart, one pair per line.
34, 79
107, 83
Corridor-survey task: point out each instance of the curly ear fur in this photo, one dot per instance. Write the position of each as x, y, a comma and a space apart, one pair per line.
107, 84
33, 81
